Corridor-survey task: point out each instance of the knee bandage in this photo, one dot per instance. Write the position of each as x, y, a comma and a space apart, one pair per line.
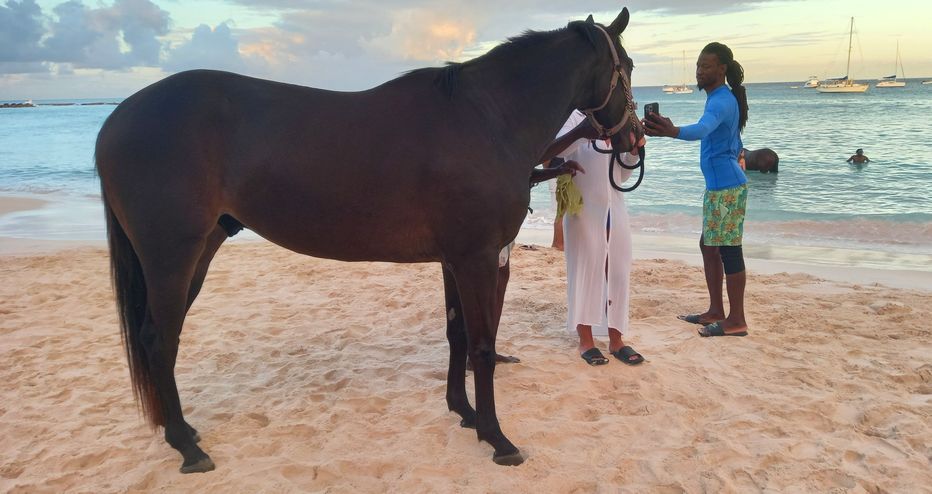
732, 258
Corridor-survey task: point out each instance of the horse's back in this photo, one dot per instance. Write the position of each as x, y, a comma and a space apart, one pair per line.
317, 171
185, 108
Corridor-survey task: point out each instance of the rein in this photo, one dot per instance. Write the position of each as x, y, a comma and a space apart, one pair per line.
617, 72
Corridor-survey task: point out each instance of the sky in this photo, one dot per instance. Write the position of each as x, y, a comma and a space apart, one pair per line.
51, 49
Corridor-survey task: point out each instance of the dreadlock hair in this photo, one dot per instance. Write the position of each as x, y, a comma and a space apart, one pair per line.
734, 74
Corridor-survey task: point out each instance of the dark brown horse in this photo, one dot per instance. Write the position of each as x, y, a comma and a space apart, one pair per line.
430, 167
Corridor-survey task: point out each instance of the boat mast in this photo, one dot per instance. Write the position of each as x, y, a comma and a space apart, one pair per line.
684, 68
848, 66
899, 60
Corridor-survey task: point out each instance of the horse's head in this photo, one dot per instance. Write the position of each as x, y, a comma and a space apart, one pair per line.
611, 109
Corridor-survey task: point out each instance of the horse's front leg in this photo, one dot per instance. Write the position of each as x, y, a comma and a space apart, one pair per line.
457, 400
476, 279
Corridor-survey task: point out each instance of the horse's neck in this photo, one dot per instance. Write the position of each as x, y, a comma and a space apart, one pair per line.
528, 104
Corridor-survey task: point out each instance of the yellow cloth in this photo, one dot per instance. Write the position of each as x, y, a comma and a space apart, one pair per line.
569, 199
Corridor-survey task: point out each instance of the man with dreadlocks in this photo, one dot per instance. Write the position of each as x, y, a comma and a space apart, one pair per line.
725, 200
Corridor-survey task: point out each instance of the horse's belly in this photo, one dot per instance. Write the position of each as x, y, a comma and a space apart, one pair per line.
343, 235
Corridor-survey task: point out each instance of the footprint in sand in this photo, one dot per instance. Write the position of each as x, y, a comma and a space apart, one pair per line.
260, 418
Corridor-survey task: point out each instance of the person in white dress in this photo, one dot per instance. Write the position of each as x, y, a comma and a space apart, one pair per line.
597, 243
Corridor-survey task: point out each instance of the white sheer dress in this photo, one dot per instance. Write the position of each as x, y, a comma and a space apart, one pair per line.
592, 297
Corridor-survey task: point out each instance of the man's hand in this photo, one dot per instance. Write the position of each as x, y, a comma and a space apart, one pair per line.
659, 126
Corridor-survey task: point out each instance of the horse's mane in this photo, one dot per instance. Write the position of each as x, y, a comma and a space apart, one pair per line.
447, 78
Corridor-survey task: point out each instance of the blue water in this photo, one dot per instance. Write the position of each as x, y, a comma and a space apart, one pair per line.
816, 199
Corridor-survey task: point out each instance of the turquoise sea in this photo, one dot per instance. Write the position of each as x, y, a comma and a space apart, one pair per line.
817, 199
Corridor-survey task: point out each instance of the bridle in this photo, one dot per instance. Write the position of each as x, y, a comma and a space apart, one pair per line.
617, 73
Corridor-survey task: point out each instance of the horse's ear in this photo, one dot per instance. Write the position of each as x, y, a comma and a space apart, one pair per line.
590, 20
620, 23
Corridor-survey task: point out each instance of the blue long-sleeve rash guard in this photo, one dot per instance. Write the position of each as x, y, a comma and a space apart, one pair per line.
721, 142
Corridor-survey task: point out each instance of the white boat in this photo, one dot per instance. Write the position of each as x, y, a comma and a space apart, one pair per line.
891, 80
926, 82
844, 84
812, 82
680, 89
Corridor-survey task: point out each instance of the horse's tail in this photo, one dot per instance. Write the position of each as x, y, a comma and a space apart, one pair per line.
129, 288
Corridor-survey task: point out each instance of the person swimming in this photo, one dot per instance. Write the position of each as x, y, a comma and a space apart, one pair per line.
858, 157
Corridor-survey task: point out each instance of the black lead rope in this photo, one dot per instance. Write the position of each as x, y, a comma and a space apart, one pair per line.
616, 157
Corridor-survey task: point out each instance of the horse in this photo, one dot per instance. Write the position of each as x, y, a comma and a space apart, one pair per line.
432, 166
764, 160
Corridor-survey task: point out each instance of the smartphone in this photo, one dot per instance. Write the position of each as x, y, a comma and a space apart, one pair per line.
651, 108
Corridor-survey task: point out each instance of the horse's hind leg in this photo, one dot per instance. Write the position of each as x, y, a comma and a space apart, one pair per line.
169, 275
476, 278
216, 238
457, 400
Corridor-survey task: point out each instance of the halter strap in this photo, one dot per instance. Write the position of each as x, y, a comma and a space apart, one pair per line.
617, 71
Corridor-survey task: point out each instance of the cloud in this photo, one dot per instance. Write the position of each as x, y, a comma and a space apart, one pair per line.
20, 31
129, 33
429, 31
337, 44
120, 36
426, 36
210, 49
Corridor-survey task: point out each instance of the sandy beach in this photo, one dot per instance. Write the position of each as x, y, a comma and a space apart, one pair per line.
309, 375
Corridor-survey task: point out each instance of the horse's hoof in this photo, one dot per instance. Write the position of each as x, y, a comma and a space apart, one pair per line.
509, 460
468, 423
200, 466
197, 437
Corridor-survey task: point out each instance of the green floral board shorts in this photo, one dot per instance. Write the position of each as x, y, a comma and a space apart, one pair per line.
723, 216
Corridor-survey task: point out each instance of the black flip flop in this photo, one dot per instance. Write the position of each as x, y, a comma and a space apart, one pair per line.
625, 353
716, 329
693, 319
593, 356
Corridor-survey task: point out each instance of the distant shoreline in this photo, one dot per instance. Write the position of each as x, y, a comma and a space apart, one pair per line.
34, 105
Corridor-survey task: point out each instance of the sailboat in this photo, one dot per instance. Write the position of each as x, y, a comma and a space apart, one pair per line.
844, 84
682, 88
890, 80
